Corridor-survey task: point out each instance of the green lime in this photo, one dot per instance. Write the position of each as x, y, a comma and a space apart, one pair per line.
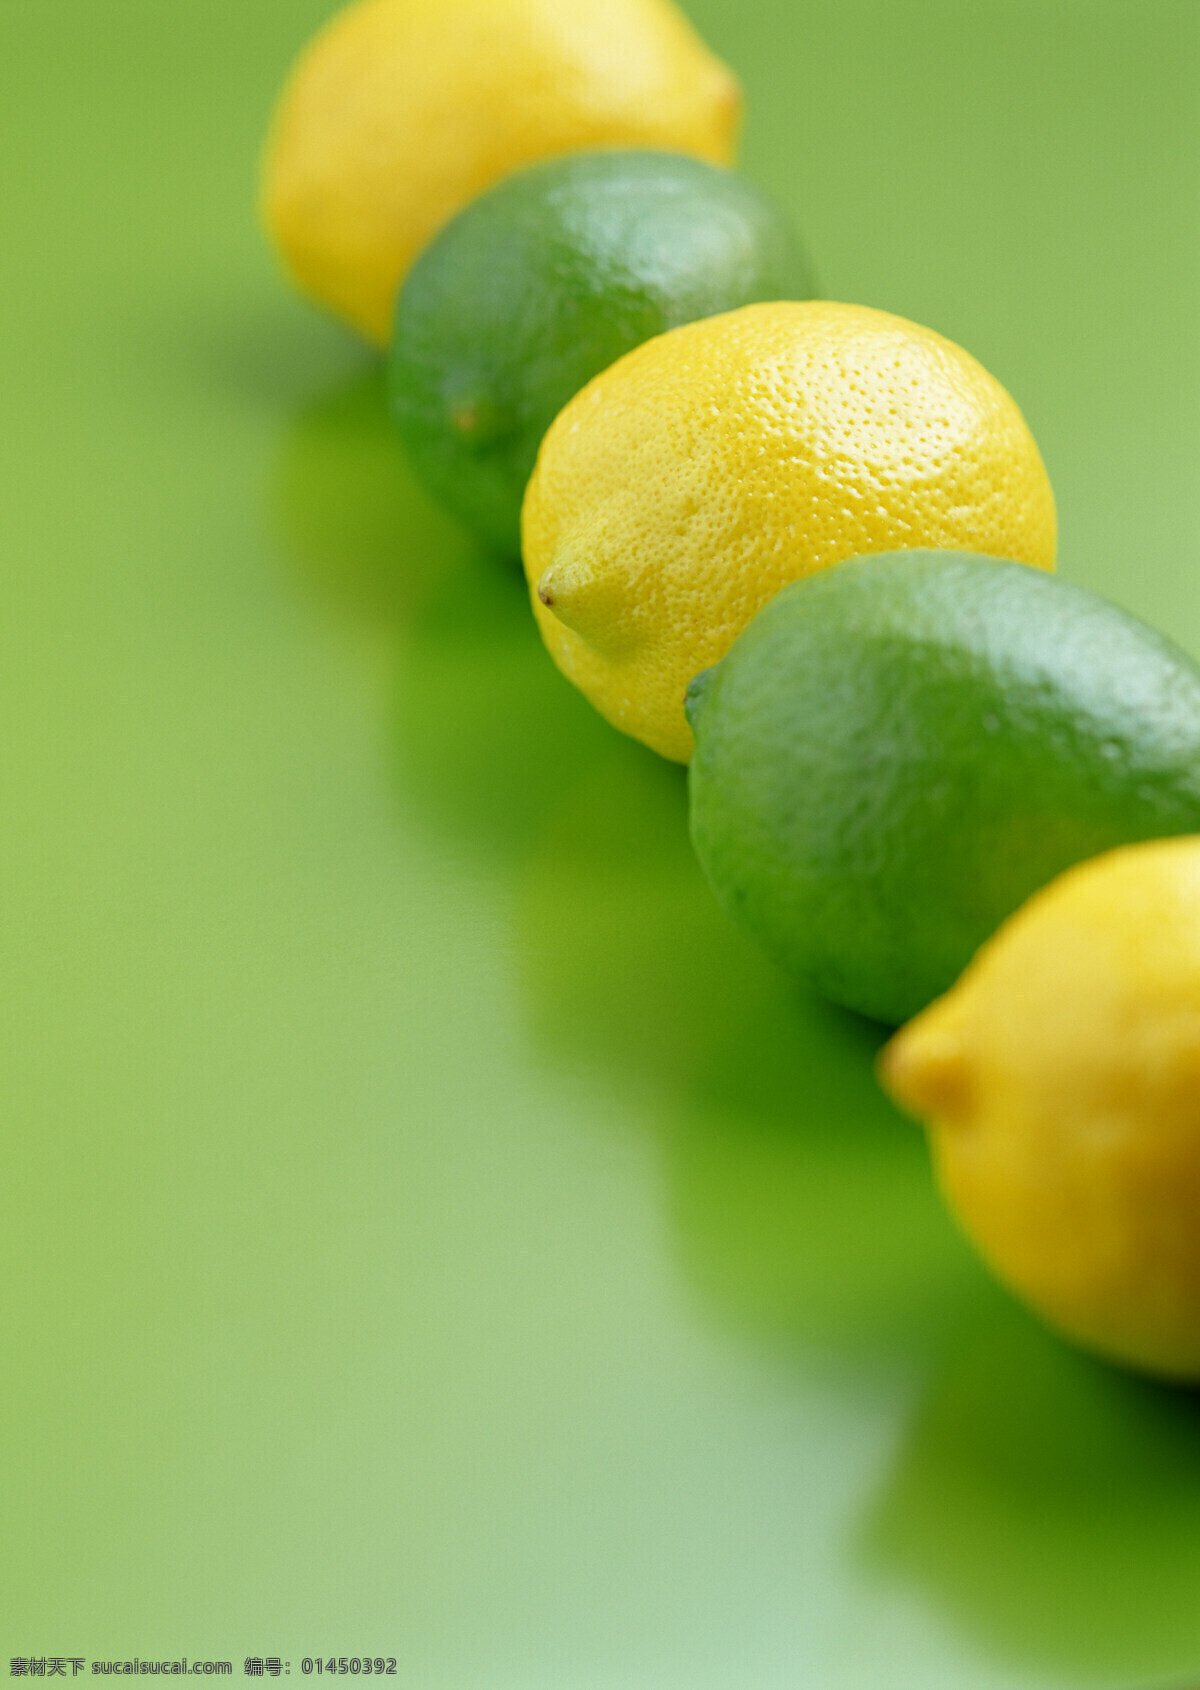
900, 750
545, 280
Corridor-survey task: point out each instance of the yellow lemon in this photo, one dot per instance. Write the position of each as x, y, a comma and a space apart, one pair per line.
400, 111
1061, 1082
683, 486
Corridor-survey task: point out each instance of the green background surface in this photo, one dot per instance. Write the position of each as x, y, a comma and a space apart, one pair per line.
428, 1229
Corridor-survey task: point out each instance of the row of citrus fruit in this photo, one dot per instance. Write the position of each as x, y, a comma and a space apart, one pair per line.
888, 757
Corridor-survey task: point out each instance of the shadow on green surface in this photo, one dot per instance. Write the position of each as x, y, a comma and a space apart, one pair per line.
803, 1207
800, 1202
1048, 1503
625, 957
270, 354
486, 732
347, 513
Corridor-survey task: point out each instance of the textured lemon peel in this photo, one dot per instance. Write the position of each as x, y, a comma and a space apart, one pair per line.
736, 454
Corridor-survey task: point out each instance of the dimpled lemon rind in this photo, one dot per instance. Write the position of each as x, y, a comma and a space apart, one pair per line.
680, 489
1061, 1083
400, 111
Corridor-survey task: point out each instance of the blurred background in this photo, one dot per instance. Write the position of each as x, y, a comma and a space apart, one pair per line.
428, 1229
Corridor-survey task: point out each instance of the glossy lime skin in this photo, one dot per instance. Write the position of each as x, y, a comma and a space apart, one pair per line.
544, 281
898, 751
